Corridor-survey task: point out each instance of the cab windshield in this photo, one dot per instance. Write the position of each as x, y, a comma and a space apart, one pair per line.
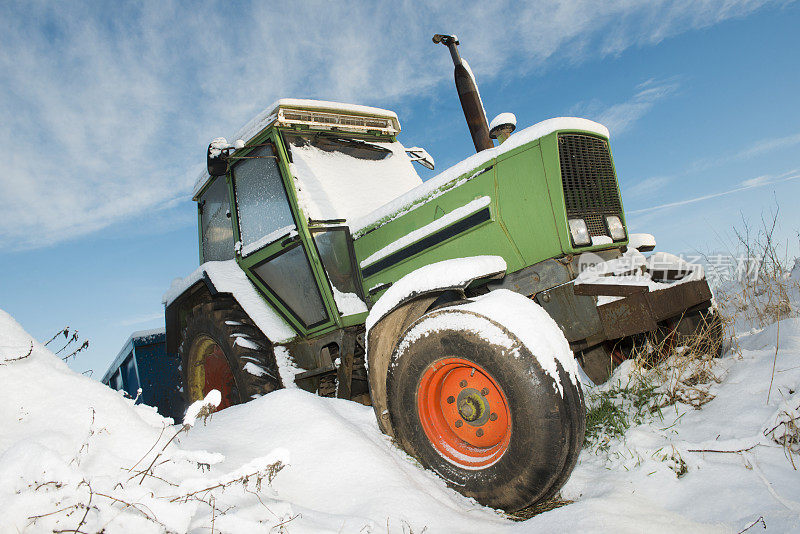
342, 178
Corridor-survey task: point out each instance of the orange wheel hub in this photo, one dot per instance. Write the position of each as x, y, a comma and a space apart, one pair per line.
464, 413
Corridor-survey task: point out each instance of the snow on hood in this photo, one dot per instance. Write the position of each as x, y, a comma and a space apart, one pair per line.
410, 200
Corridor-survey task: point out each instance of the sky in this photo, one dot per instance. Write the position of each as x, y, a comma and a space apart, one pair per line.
105, 116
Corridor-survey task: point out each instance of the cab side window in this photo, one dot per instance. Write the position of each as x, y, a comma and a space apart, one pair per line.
215, 222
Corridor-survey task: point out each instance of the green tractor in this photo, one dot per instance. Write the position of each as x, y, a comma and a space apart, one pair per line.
459, 308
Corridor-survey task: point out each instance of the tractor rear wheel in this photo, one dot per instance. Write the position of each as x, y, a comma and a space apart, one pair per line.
222, 349
488, 419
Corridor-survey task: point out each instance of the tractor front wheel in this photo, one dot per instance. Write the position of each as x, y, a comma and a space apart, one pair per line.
483, 412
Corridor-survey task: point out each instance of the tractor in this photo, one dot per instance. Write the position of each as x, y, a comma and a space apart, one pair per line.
465, 309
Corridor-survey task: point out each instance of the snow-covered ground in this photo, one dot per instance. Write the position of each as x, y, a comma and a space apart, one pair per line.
75, 455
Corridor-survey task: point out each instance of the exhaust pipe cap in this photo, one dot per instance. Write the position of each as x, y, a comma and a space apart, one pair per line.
502, 126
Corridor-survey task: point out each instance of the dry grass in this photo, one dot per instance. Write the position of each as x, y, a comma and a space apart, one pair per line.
763, 292
682, 358
539, 508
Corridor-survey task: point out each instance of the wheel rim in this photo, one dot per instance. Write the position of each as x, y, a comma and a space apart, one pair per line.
464, 413
209, 369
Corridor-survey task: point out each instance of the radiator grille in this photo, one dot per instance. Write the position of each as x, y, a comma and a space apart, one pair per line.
587, 176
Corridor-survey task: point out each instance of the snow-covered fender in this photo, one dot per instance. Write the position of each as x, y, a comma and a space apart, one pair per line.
404, 302
215, 278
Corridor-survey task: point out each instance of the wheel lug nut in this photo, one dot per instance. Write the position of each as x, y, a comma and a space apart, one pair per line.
485, 391
493, 416
463, 383
459, 423
479, 433
451, 399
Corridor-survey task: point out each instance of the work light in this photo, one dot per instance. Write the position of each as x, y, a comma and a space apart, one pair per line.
615, 228
579, 231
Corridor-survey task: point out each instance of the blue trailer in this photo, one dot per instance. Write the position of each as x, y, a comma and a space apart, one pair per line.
143, 363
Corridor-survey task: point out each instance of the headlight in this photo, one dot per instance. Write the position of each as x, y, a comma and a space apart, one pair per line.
615, 227
579, 231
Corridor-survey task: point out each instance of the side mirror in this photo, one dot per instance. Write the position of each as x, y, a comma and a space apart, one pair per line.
421, 156
217, 157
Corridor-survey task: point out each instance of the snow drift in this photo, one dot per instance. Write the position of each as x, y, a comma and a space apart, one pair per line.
74, 453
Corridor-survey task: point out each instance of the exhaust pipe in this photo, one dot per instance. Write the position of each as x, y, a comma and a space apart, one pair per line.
468, 94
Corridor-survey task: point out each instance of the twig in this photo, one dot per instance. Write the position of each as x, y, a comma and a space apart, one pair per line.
86, 513
84, 346
64, 331
30, 351
135, 506
144, 473
70, 341
35, 517
715, 450
163, 428
262, 502
295, 516
754, 523
775, 359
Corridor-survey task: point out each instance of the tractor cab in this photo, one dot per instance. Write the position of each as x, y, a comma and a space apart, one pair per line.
280, 204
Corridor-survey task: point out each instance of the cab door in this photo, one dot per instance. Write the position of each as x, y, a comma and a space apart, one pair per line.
272, 248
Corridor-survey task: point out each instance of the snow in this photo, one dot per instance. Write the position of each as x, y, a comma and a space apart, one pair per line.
333, 185
641, 240
198, 408
69, 442
148, 333
245, 343
286, 367
633, 269
288, 231
428, 229
503, 118
268, 115
228, 277
430, 188
348, 303
475, 83
456, 272
598, 240
253, 369
525, 319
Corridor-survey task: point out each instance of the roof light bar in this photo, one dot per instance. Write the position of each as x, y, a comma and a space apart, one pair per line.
338, 121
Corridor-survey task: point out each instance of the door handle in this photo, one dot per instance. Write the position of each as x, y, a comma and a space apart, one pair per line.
289, 240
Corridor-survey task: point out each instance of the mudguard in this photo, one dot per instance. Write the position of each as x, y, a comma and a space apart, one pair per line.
404, 302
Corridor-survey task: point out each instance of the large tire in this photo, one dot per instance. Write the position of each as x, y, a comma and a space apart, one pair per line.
222, 349
527, 434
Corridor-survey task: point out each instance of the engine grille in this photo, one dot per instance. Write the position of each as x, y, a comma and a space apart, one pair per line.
587, 176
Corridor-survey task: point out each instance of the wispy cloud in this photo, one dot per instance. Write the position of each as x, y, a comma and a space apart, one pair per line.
139, 319
618, 118
756, 149
103, 112
753, 183
646, 187
651, 186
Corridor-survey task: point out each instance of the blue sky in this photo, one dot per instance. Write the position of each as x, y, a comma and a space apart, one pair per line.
105, 116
